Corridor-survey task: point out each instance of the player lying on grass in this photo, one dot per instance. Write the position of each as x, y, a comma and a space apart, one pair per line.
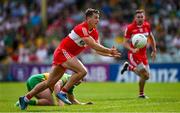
45, 97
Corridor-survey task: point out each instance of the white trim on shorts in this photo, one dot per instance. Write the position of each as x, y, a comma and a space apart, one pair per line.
66, 54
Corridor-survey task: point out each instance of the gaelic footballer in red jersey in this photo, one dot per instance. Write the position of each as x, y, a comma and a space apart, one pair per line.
138, 61
82, 36
73, 44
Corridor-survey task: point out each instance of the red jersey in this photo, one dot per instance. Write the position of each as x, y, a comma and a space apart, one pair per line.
133, 29
73, 44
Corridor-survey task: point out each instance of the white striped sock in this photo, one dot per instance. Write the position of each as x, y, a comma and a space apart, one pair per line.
26, 99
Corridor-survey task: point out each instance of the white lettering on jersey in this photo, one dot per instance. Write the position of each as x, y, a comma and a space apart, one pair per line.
77, 39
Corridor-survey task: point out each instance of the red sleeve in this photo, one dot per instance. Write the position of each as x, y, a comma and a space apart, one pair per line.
128, 33
81, 31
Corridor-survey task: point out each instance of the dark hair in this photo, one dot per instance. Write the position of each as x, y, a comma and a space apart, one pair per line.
140, 11
89, 12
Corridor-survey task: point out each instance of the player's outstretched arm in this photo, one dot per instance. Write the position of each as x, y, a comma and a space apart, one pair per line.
99, 48
109, 55
104, 54
96, 46
73, 100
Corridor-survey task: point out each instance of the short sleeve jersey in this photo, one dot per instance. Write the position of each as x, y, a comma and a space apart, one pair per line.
73, 43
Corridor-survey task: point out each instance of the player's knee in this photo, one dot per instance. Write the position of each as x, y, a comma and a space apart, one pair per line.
83, 73
146, 76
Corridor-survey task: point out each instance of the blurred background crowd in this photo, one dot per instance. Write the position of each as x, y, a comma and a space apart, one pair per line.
26, 38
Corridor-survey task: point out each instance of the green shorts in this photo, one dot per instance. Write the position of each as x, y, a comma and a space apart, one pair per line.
34, 80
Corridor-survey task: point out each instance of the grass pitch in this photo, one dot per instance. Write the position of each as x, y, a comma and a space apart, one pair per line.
107, 97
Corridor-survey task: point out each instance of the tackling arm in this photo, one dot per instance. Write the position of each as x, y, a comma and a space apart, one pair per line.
75, 101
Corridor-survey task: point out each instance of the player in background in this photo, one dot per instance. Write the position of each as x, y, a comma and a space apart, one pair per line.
138, 61
83, 35
45, 98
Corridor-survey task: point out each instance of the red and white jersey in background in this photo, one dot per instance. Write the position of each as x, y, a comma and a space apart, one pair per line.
73, 43
133, 29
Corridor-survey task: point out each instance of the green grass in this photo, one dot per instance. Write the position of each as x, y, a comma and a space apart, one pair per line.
107, 97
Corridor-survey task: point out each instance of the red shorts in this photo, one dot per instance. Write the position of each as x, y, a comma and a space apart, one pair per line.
60, 56
135, 60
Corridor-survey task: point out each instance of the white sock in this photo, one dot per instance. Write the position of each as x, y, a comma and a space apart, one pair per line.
62, 92
26, 99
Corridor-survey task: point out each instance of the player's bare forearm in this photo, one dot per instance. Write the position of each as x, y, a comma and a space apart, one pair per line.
153, 45
153, 42
73, 99
104, 54
81, 103
96, 46
116, 54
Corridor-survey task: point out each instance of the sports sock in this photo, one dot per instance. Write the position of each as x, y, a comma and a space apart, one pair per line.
141, 93
130, 68
27, 98
63, 90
